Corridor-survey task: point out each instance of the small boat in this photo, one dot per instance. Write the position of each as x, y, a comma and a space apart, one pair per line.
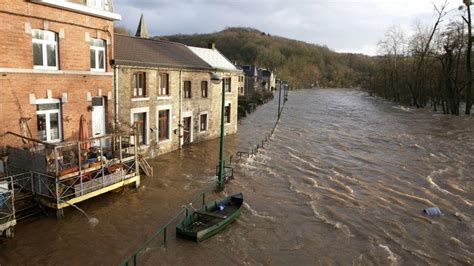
210, 219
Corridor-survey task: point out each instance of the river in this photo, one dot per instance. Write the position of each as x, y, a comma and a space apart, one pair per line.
343, 181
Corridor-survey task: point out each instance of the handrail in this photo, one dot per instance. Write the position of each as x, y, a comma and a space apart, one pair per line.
153, 237
199, 196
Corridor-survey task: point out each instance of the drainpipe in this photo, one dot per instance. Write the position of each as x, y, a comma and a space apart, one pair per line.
116, 97
180, 127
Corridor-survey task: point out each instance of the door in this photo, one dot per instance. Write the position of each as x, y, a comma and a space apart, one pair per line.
139, 119
98, 118
187, 130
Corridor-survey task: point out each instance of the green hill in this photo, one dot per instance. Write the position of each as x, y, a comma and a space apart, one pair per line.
301, 63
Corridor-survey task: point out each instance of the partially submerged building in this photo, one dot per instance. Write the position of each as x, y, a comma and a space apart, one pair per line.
165, 92
56, 69
57, 84
257, 80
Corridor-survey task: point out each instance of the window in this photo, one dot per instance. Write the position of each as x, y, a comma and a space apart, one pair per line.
163, 89
163, 125
45, 49
227, 113
187, 89
139, 85
96, 3
203, 122
97, 55
241, 90
204, 89
48, 116
139, 121
226, 84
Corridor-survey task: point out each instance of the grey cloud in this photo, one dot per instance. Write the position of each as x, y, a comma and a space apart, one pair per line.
343, 25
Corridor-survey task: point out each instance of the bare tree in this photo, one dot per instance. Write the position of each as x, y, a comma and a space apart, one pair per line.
467, 3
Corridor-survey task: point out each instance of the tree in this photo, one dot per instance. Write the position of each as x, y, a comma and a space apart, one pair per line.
467, 3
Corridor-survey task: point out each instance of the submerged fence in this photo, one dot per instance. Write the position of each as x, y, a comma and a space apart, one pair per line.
161, 235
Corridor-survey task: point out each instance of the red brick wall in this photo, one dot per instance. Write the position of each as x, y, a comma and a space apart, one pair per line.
74, 55
16, 104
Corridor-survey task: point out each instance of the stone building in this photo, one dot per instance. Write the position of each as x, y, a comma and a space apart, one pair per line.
165, 92
250, 80
257, 80
55, 68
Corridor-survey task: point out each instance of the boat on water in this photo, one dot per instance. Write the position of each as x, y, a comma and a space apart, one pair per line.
210, 218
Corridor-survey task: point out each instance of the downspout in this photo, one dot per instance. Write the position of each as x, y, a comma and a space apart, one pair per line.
180, 126
116, 97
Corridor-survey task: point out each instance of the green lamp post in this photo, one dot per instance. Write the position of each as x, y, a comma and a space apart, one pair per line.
216, 79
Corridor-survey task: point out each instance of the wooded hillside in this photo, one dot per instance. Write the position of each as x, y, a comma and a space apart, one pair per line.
301, 63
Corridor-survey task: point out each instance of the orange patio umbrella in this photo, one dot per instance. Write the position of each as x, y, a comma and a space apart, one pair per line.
84, 133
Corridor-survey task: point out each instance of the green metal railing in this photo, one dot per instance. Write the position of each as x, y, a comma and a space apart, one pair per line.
196, 202
201, 196
162, 231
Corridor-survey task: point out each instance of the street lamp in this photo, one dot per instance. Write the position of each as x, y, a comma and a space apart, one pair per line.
216, 79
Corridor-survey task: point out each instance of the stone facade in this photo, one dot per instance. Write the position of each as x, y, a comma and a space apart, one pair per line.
179, 106
72, 84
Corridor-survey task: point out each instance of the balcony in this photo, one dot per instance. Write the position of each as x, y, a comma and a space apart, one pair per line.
96, 8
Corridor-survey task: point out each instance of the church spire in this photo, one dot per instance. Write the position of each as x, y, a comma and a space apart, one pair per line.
142, 31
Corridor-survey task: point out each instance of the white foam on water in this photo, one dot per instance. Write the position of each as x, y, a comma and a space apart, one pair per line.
258, 214
335, 224
392, 257
419, 147
93, 222
444, 191
402, 108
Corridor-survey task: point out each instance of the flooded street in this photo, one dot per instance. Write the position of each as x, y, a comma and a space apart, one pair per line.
343, 181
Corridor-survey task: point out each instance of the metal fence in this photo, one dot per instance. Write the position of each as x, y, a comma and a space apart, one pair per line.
161, 236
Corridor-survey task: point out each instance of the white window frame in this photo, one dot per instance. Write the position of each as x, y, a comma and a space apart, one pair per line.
158, 109
143, 96
99, 4
44, 44
98, 49
207, 122
230, 85
191, 131
227, 103
48, 122
160, 88
147, 122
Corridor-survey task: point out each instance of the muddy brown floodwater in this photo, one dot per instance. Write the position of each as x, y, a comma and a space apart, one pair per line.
343, 181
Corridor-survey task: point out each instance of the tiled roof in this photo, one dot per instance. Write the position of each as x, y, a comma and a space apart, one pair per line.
134, 51
214, 58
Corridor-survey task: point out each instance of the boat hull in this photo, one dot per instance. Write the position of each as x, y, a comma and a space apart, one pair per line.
210, 219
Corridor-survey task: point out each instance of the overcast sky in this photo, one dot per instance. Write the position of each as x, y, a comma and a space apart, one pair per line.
342, 25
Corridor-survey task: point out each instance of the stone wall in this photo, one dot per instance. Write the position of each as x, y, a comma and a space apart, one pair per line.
178, 105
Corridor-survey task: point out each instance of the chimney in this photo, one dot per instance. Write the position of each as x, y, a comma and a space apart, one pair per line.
211, 45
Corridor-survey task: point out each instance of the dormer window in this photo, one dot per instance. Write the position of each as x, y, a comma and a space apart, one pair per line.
45, 49
99, 4
97, 55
